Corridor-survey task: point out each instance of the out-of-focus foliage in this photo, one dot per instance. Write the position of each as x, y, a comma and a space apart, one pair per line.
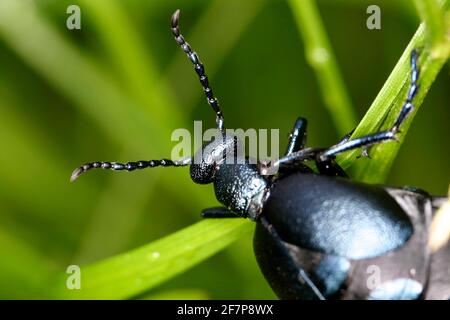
115, 90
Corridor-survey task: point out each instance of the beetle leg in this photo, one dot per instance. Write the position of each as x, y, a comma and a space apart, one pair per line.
383, 136
296, 160
301, 273
218, 212
296, 142
297, 137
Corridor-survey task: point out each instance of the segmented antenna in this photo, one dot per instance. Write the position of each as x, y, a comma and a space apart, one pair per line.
199, 68
129, 166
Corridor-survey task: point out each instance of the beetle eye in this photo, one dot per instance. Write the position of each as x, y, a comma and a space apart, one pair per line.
203, 167
202, 173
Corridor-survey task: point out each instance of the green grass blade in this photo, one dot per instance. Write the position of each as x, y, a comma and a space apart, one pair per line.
179, 294
430, 12
139, 270
320, 56
389, 102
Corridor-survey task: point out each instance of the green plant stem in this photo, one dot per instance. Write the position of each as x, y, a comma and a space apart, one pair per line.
320, 56
129, 274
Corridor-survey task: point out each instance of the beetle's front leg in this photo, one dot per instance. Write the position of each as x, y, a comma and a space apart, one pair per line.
297, 137
296, 143
218, 212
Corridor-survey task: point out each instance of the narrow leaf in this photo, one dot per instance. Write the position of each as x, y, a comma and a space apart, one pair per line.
129, 274
388, 103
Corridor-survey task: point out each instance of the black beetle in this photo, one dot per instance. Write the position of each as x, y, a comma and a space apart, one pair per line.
320, 236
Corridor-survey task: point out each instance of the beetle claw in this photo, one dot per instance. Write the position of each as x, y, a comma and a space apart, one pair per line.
364, 154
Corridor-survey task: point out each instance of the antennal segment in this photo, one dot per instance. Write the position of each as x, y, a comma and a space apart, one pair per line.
199, 68
129, 166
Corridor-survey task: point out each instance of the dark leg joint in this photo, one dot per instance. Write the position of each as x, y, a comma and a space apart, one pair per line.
218, 213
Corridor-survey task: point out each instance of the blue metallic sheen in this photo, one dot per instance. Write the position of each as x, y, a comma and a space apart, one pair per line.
336, 216
398, 289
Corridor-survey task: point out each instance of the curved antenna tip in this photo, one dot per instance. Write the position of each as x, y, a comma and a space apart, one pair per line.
75, 174
175, 18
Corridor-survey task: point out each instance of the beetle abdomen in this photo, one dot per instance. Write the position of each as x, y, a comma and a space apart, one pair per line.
336, 216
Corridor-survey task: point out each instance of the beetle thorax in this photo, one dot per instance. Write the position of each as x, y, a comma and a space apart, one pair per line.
241, 188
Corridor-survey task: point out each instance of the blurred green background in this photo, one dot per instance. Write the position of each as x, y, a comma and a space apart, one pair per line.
116, 89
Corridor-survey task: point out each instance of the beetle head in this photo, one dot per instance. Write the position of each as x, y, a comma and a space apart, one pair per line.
211, 156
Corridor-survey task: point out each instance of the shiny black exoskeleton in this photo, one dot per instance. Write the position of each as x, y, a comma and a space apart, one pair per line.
319, 235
